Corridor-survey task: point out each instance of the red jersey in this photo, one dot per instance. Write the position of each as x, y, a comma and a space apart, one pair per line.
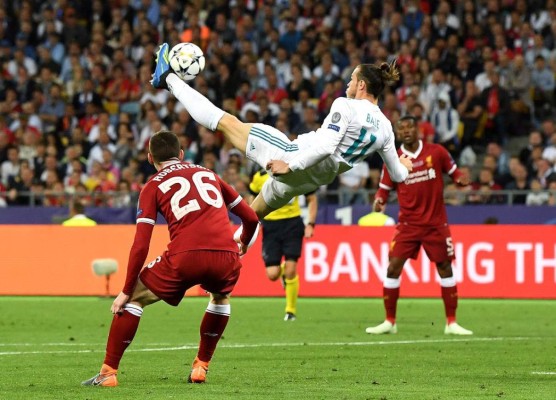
421, 195
194, 201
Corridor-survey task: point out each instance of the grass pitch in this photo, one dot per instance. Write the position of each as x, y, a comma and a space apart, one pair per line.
49, 345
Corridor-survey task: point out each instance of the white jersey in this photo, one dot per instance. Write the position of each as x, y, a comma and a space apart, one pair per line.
352, 130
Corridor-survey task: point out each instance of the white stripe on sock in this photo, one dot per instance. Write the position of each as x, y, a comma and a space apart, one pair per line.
448, 282
133, 309
221, 309
392, 283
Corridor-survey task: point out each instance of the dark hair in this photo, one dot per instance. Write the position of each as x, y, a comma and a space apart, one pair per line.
377, 77
408, 117
164, 145
77, 206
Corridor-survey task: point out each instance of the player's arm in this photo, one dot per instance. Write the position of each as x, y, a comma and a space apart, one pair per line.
398, 167
384, 187
146, 218
449, 167
239, 207
330, 134
312, 206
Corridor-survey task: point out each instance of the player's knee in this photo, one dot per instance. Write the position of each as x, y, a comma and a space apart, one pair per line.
394, 270
231, 124
273, 273
444, 269
220, 298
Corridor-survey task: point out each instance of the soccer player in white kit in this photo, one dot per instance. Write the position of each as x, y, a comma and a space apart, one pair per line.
354, 128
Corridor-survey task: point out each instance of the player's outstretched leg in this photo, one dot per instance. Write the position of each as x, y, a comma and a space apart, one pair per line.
212, 327
198, 106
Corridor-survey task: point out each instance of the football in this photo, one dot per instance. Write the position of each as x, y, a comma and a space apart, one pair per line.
186, 60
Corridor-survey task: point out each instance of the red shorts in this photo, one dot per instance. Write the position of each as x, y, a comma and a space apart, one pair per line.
436, 240
169, 276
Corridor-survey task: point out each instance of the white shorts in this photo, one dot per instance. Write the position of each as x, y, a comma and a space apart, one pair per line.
267, 143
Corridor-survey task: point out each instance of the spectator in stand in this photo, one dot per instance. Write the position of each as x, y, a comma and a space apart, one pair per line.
538, 50
471, 112
535, 140
548, 128
502, 159
519, 182
537, 196
549, 153
53, 109
542, 79
19, 186
496, 103
10, 168
445, 120
87, 96
484, 185
544, 172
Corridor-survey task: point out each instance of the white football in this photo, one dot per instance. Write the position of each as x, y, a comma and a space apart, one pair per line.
186, 60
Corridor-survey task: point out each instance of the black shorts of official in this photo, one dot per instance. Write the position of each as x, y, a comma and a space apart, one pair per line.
282, 238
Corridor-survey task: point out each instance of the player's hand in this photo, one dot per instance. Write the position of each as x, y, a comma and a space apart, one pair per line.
119, 303
378, 205
463, 181
406, 161
278, 167
242, 249
309, 231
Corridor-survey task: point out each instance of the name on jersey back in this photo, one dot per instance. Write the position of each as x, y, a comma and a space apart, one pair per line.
175, 167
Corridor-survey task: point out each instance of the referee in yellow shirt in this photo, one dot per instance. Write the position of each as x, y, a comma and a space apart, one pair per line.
283, 233
77, 215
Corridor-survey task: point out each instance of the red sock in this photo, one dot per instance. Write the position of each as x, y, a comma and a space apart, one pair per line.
121, 334
450, 298
390, 297
212, 326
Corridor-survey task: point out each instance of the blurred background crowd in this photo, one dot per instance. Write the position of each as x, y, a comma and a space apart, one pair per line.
77, 109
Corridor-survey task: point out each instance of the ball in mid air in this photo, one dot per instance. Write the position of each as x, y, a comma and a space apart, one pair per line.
186, 60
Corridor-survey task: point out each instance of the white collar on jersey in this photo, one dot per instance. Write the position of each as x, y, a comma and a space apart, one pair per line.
413, 155
167, 163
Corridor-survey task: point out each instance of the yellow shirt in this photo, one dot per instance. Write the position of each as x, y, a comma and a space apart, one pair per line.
79, 220
376, 219
290, 210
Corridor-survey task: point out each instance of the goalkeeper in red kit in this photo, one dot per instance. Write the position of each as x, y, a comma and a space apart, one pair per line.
194, 201
422, 222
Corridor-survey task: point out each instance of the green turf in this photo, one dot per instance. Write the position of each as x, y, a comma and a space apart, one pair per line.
49, 345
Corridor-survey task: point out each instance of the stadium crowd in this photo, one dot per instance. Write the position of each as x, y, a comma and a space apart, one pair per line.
77, 109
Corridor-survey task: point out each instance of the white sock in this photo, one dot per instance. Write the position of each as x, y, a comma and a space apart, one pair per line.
221, 309
448, 282
391, 283
198, 106
133, 309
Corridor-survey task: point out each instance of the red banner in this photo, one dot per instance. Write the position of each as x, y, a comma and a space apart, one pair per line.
501, 261
340, 261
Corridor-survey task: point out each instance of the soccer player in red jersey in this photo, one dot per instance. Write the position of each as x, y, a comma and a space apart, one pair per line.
195, 202
422, 222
